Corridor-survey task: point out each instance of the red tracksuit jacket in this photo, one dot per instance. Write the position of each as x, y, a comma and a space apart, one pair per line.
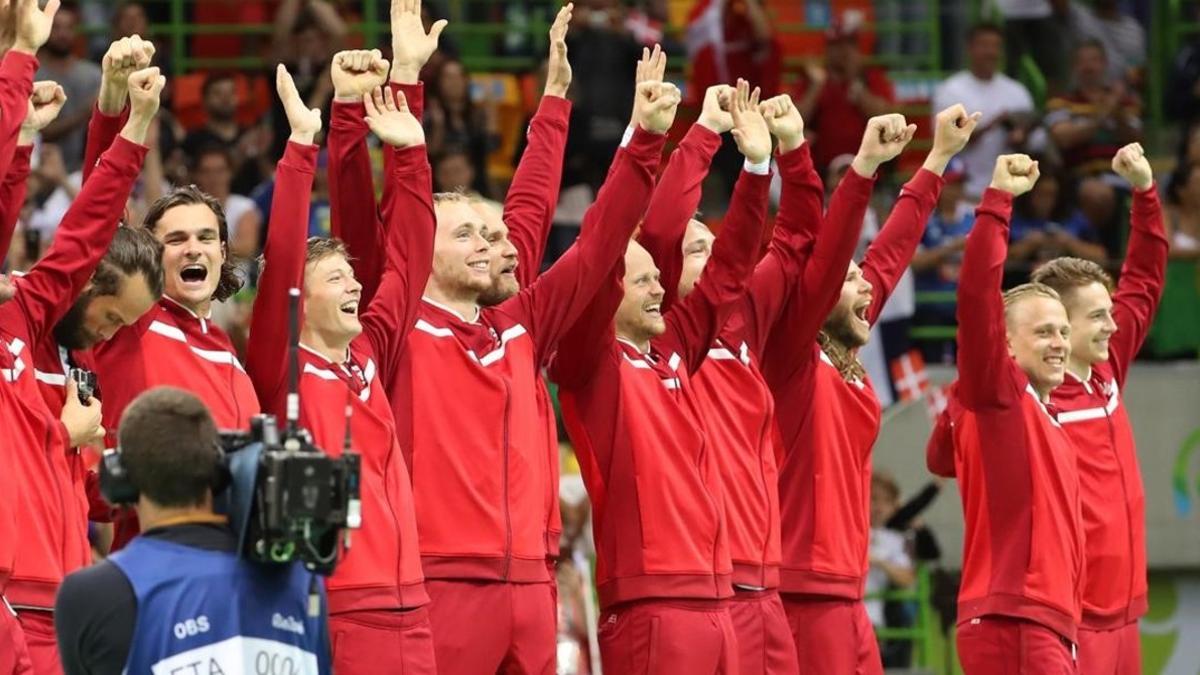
639, 430
739, 410
1017, 473
382, 570
467, 398
57, 542
528, 213
831, 424
1092, 414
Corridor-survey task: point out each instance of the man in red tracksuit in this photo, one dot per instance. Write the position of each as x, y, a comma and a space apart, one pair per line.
1019, 601
377, 596
810, 363
1107, 330
56, 541
517, 236
14, 655
739, 411
625, 371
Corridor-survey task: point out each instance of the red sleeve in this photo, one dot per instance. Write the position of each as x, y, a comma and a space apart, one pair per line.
820, 283
561, 294
593, 336
675, 200
888, 256
791, 243
1141, 284
982, 343
533, 194
939, 450
12, 195
414, 94
82, 239
102, 131
284, 254
389, 318
354, 214
694, 322
121, 371
16, 85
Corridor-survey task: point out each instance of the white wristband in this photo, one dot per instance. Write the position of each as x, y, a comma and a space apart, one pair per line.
762, 168
627, 137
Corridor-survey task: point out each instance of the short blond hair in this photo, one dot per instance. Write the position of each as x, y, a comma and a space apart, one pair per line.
1066, 274
1030, 290
453, 197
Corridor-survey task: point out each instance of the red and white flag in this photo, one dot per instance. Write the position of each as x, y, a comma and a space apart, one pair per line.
912, 383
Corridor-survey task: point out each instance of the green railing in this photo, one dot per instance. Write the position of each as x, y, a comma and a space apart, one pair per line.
923, 633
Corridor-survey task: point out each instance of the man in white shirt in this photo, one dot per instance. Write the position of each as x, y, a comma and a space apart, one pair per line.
1005, 103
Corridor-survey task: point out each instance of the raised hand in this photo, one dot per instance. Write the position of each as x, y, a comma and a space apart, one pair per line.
785, 122
123, 58
558, 71
714, 115
145, 90
1015, 174
46, 101
357, 72
650, 68
33, 24
952, 130
654, 106
390, 119
1131, 164
304, 122
411, 45
885, 138
749, 128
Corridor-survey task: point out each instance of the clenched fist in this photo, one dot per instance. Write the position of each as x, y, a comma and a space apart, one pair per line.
1015, 174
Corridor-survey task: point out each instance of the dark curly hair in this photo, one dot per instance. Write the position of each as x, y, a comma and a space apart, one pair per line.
231, 280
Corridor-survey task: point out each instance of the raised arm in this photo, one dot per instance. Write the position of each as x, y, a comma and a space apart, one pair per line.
889, 255
353, 209
88, 226
796, 225
1142, 276
390, 317
563, 292
983, 360
16, 85
123, 58
790, 344
533, 195
695, 321
677, 194
285, 250
43, 106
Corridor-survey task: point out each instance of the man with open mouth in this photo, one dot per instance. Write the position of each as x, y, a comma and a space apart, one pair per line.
833, 417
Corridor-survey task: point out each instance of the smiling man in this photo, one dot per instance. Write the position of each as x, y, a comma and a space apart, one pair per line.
1107, 330
1018, 605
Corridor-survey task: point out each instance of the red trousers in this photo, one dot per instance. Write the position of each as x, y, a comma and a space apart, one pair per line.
1111, 652
40, 640
832, 636
14, 657
764, 640
668, 637
483, 627
363, 641
1001, 645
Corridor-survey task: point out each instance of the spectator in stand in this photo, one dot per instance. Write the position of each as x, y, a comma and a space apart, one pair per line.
1004, 102
603, 94
1045, 225
212, 172
1030, 27
305, 37
1183, 212
891, 569
939, 256
1183, 89
1088, 125
245, 145
837, 100
453, 120
1123, 38
453, 171
80, 80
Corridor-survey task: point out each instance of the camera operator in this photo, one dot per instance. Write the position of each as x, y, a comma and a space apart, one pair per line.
178, 597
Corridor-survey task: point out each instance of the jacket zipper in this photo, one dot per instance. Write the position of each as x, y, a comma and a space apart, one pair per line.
1112, 437
507, 514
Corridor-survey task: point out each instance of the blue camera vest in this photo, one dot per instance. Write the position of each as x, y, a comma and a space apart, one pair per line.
208, 613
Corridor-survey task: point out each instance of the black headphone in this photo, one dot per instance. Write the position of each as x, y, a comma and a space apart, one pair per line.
118, 489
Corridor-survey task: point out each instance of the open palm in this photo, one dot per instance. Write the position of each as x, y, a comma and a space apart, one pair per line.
390, 120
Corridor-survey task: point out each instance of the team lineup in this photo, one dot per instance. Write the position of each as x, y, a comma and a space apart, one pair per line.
709, 384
